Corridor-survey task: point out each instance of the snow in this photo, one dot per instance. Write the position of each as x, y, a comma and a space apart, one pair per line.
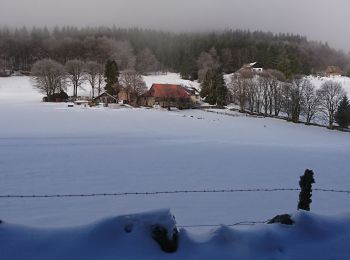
344, 81
18, 89
49, 148
128, 237
169, 78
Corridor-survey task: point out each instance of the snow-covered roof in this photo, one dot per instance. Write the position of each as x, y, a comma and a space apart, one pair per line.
105, 94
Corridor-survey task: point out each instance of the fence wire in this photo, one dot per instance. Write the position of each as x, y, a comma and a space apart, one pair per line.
242, 223
152, 193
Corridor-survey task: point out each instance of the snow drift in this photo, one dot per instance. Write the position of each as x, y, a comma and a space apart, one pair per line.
129, 237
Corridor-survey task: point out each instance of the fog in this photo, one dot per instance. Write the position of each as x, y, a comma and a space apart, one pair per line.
317, 19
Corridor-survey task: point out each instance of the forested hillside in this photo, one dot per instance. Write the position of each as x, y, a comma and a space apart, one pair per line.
149, 50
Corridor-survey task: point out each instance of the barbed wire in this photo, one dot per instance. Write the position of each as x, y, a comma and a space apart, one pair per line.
241, 223
34, 196
331, 190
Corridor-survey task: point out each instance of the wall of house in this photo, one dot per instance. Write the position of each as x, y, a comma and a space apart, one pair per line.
123, 95
195, 99
105, 100
166, 102
147, 101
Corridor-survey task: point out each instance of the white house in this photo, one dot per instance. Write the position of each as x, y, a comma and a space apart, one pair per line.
254, 67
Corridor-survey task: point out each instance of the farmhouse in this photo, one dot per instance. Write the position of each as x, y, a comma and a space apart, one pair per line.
195, 96
333, 71
124, 96
128, 96
167, 95
253, 67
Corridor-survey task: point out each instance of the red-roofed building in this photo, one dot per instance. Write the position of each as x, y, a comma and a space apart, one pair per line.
167, 95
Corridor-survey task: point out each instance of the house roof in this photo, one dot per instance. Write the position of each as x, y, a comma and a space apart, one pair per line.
334, 70
105, 94
255, 65
168, 90
251, 66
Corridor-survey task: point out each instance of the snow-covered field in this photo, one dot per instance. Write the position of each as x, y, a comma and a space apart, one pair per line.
52, 149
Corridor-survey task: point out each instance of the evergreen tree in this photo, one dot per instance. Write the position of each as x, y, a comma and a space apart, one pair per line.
214, 90
288, 63
111, 77
221, 89
188, 68
342, 116
207, 88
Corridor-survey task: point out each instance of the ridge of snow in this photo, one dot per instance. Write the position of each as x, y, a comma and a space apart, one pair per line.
312, 236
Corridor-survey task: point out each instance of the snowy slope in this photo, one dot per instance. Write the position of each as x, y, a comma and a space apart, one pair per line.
169, 78
344, 81
52, 149
18, 89
128, 237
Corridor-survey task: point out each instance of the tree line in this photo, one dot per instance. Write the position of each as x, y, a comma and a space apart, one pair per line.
269, 93
52, 78
149, 50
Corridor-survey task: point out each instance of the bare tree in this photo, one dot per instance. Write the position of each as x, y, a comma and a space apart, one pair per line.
100, 79
264, 82
93, 70
330, 95
276, 83
311, 102
251, 94
146, 62
123, 53
250, 89
297, 92
286, 99
132, 80
207, 61
104, 49
75, 73
48, 76
259, 90
2, 65
240, 85
133, 84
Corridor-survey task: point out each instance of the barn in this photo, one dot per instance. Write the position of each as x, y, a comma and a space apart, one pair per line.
167, 95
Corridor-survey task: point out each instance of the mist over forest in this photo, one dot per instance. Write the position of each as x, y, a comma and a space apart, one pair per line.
153, 50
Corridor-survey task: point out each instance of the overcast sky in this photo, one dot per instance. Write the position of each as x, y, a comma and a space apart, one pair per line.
325, 20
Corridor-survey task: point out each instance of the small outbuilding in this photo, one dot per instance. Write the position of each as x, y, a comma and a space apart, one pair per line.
105, 98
